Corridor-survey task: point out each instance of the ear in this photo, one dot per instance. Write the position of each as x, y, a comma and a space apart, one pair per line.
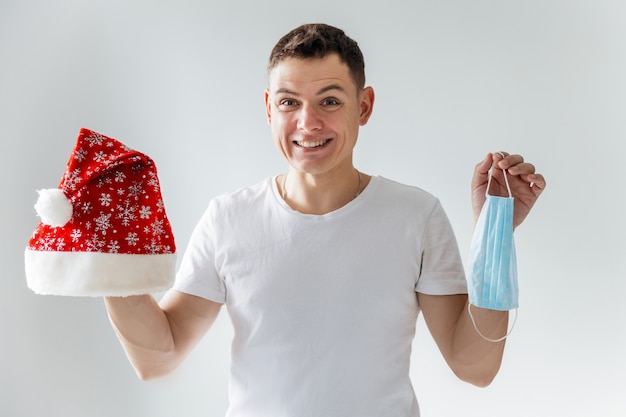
367, 105
268, 107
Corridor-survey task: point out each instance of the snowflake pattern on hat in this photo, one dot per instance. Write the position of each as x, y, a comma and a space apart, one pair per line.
116, 209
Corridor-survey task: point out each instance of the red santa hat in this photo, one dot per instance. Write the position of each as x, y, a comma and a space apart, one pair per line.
104, 230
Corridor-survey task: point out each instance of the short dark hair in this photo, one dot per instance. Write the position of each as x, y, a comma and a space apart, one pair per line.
317, 40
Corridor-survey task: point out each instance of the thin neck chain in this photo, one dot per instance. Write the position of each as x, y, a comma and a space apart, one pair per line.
358, 189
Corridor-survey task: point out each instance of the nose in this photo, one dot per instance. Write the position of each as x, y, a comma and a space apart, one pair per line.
309, 119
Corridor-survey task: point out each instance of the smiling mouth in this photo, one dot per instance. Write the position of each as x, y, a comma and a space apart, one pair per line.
312, 144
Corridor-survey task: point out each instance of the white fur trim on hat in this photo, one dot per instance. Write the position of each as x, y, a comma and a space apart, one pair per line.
98, 274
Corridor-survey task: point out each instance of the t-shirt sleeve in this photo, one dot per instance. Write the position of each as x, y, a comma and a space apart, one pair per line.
197, 274
442, 271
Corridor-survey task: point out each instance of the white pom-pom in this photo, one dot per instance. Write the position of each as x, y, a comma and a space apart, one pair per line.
54, 208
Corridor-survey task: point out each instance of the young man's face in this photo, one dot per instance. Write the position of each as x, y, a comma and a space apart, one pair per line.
315, 110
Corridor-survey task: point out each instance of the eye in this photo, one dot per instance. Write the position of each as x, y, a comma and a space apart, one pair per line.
330, 101
287, 103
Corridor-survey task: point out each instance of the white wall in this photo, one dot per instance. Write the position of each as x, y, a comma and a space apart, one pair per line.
183, 80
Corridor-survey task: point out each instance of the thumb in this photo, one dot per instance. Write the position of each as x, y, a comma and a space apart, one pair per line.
481, 170
485, 165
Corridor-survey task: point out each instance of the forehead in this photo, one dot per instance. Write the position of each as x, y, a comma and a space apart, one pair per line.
298, 73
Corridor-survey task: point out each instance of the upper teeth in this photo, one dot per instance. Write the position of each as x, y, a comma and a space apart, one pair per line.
311, 144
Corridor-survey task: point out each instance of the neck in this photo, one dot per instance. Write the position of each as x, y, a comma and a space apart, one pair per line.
315, 195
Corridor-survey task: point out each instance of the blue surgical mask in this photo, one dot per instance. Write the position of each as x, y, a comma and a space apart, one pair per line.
492, 282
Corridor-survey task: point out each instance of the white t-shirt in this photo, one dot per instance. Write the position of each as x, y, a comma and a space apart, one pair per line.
323, 306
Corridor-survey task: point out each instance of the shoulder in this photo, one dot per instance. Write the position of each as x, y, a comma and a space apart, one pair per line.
243, 197
399, 194
241, 205
393, 202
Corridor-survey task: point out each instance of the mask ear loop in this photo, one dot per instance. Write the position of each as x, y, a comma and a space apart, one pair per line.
469, 310
506, 181
469, 306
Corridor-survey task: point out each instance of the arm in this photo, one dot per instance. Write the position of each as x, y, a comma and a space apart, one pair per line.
157, 337
469, 355
472, 358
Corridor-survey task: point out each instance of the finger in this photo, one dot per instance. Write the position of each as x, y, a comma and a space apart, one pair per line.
525, 171
509, 161
536, 181
483, 166
522, 168
497, 157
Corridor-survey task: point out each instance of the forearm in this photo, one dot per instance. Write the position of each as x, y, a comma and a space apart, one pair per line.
144, 332
476, 359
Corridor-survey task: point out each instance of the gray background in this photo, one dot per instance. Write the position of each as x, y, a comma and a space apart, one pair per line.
183, 82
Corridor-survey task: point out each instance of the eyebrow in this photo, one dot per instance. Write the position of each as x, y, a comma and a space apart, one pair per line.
321, 91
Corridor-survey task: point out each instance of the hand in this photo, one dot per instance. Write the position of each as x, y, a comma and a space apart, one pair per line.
526, 185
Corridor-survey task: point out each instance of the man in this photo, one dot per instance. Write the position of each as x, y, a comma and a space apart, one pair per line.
324, 269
